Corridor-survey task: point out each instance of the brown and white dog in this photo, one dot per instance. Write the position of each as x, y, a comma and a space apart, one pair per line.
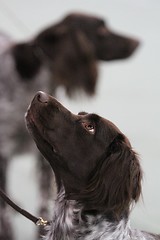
98, 174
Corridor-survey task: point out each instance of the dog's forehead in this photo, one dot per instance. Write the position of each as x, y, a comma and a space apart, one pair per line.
110, 125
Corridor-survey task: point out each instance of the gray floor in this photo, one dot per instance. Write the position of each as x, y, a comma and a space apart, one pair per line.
128, 93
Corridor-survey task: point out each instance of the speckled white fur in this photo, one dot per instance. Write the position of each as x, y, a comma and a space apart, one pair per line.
15, 96
67, 224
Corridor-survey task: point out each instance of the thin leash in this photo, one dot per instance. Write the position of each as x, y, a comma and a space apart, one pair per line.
39, 221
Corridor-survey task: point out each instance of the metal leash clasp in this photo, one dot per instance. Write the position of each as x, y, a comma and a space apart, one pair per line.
41, 222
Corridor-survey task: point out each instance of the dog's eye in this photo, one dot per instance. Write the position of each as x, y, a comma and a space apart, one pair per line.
102, 32
89, 127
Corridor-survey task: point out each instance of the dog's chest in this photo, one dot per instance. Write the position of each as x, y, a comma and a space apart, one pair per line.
63, 224
15, 93
15, 96
68, 224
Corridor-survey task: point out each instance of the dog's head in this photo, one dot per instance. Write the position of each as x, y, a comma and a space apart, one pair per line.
107, 44
75, 44
90, 156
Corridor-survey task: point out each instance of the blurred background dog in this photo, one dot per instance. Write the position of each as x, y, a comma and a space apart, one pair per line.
65, 54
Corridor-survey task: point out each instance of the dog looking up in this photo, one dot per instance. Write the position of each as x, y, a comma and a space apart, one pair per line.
64, 54
98, 174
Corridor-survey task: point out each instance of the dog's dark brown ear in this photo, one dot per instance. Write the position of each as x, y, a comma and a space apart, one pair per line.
116, 180
75, 67
27, 64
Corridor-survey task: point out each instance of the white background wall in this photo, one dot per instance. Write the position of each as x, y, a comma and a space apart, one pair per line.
128, 92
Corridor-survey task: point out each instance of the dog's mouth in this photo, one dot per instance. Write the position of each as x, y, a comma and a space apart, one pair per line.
37, 125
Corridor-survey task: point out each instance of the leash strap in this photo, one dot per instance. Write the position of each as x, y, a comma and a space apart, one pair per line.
38, 221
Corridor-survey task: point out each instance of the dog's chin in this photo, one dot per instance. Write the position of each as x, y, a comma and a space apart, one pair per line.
48, 151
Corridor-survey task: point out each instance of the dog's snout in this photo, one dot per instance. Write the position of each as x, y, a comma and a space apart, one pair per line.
42, 97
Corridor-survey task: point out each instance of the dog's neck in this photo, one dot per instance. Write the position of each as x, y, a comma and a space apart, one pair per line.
70, 224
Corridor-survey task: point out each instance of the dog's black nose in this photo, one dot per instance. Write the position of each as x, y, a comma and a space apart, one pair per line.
42, 97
